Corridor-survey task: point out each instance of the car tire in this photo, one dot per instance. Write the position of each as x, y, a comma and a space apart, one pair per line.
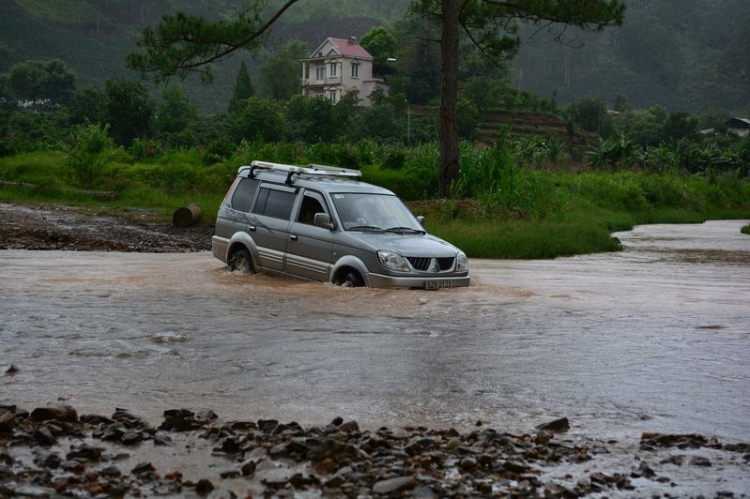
352, 279
241, 261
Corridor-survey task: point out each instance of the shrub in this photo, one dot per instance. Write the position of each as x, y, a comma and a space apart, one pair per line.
86, 154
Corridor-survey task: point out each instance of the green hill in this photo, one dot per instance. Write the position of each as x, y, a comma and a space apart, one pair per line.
683, 55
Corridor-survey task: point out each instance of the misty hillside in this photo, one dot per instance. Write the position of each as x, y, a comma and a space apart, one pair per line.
684, 55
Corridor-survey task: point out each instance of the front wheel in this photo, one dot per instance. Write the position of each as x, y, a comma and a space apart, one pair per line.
241, 261
351, 279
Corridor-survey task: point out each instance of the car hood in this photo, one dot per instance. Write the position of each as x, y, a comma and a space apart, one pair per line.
416, 245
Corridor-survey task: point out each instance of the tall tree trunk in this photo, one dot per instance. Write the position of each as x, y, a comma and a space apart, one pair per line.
449, 97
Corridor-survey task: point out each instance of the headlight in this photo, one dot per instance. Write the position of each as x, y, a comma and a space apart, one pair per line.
462, 263
393, 261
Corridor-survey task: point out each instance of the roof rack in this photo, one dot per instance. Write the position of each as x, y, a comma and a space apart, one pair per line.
311, 169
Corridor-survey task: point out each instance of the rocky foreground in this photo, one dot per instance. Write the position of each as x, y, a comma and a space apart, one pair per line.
54, 451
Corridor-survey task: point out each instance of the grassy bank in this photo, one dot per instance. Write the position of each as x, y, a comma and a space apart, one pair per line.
503, 206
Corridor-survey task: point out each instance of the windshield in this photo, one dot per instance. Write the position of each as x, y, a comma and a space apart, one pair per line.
374, 212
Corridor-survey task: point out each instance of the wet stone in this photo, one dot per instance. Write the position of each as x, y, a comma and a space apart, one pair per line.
44, 437
85, 452
7, 420
143, 468
204, 487
393, 485
700, 461
62, 413
558, 425
131, 438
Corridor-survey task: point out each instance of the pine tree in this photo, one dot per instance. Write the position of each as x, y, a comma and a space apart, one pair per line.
243, 89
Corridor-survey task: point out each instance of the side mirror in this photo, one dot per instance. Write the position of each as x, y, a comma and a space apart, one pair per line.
421, 220
323, 220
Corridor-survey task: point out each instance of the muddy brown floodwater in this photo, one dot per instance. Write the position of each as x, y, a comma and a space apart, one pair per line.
652, 339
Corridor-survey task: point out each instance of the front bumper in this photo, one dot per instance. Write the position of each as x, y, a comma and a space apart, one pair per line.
416, 282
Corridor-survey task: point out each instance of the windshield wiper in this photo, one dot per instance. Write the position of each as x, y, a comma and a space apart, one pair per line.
365, 227
404, 229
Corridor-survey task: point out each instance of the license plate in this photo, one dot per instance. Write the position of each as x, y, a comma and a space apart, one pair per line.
437, 284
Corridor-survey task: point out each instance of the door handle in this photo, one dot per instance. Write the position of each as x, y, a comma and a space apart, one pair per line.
293, 237
251, 228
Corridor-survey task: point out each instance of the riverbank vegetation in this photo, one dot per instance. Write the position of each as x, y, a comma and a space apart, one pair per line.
513, 200
536, 180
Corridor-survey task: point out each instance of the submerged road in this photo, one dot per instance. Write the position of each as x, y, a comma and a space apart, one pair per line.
654, 338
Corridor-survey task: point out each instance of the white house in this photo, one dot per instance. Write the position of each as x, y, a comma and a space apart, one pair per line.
337, 67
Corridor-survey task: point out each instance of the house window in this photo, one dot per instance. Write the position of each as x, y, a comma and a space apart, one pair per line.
334, 70
355, 70
320, 73
307, 72
332, 96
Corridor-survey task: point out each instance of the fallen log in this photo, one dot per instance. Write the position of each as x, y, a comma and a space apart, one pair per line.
186, 216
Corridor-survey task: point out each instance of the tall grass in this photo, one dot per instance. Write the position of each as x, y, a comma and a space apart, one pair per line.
508, 203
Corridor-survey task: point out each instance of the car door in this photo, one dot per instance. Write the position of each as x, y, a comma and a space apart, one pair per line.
309, 247
269, 223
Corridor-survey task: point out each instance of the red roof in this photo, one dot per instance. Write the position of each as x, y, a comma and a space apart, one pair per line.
348, 47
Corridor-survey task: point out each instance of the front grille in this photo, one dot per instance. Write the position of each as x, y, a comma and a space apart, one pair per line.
419, 263
445, 263
423, 264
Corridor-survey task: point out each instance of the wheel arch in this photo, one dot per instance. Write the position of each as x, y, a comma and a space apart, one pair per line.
350, 263
242, 240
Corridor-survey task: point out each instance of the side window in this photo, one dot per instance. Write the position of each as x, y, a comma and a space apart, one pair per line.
242, 199
310, 206
275, 203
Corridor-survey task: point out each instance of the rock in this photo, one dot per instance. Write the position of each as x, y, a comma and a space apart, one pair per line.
13, 369
556, 426
7, 421
349, 426
63, 413
393, 485
700, 461
204, 487
644, 470
142, 469
44, 437
85, 452
131, 438
681, 441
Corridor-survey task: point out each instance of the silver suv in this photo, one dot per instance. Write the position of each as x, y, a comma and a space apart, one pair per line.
323, 224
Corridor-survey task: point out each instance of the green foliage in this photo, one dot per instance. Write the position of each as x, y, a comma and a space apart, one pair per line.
243, 89
380, 43
183, 44
129, 110
745, 229
88, 106
174, 115
43, 83
505, 207
26, 130
260, 119
679, 126
218, 150
86, 155
280, 73
591, 115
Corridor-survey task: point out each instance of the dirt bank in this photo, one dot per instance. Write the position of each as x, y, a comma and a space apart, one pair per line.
47, 227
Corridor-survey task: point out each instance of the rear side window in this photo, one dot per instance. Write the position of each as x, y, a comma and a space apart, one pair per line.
275, 203
242, 199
